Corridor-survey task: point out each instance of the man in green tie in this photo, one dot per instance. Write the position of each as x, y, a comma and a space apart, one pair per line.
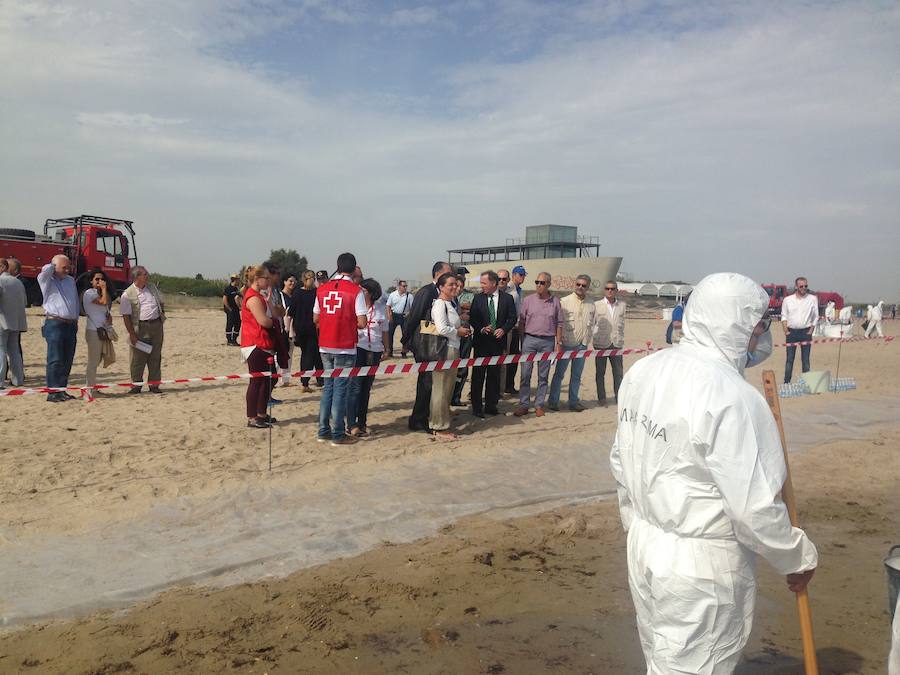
492, 316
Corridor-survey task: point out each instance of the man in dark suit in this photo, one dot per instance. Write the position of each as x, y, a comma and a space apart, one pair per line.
421, 309
493, 316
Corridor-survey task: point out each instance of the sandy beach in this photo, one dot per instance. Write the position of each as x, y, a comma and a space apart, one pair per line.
523, 572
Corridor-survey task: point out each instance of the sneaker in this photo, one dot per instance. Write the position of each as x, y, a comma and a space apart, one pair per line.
577, 407
538, 412
55, 397
520, 411
258, 424
344, 440
553, 406
323, 439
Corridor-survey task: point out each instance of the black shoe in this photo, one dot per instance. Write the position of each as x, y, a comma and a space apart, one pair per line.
492, 412
478, 413
67, 396
56, 397
258, 424
456, 403
155, 390
134, 390
512, 392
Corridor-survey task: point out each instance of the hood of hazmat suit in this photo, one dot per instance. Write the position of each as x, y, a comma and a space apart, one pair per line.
699, 468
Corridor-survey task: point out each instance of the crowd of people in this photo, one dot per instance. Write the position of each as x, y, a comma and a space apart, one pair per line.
343, 320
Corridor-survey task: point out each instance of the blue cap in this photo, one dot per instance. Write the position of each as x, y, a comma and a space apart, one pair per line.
518, 269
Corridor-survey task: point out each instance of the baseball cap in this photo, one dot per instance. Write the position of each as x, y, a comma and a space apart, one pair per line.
234, 276
518, 269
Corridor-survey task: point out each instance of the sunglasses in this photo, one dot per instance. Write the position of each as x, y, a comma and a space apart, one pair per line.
610, 288
802, 286
581, 285
503, 278
540, 283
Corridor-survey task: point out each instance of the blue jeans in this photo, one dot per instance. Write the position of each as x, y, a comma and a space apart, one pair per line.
360, 388
530, 344
574, 381
796, 335
61, 338
9, 351
333, 405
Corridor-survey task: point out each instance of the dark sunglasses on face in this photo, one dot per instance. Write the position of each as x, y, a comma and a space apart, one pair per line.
610, 289
581, 285
802, 286
504, 278
540, 283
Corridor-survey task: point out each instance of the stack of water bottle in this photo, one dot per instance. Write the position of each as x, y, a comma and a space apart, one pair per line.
792, 389
842, 384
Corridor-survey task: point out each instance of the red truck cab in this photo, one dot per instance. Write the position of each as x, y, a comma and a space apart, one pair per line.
90, 242
778, 292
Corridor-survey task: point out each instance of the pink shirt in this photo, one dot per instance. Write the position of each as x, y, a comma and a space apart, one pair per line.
541, 317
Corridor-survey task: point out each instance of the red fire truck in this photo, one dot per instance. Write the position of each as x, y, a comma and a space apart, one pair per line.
778, 292
90, 242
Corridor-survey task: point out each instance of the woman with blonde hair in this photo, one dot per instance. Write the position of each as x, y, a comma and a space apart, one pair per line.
257, 346
306, 337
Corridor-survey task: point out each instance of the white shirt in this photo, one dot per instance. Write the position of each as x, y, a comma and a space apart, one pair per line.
149, 306
96, 314
800, 312
446, 320
359, 307
60, 295
399, 304
369, 338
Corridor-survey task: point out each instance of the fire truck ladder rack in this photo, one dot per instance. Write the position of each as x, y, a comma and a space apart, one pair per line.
78, 222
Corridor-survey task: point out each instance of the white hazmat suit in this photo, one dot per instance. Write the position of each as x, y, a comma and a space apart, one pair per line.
846, 314
829, 311
875, 316
699, 466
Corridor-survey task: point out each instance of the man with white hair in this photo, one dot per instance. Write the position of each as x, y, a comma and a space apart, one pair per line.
699, 468
61, 309
143, 311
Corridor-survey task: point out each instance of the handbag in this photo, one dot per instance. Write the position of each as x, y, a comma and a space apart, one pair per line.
428, 344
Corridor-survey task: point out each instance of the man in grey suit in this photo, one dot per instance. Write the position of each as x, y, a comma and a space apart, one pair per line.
12, 324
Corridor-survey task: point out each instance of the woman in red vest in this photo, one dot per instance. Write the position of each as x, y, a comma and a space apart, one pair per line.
257, 346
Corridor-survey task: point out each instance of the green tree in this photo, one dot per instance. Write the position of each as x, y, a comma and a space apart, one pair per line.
288, 261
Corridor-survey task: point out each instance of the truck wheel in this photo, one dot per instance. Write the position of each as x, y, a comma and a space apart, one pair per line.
19, 234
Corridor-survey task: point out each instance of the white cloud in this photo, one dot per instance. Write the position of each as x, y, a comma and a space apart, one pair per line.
671, 138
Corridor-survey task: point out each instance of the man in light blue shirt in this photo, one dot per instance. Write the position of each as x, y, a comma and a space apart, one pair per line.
399, 302
60, 329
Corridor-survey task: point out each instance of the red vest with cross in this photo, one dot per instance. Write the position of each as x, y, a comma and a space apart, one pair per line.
337, 314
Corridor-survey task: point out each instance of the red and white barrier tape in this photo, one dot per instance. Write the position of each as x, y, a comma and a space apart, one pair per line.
402, 369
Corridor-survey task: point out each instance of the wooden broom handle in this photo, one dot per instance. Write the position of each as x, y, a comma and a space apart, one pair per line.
810, 663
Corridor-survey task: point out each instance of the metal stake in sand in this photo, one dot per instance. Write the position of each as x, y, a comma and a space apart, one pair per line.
837, 371
810, 663
271, 362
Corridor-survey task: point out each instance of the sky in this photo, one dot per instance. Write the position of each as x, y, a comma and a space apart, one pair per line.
757, 137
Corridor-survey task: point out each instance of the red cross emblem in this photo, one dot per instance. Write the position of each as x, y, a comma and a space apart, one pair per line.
332, 302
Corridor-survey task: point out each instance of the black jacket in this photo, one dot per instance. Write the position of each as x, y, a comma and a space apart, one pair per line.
479, 318
421, 309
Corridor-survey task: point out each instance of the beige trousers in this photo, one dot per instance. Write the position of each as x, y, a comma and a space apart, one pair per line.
442, 383
152, 333
94, 356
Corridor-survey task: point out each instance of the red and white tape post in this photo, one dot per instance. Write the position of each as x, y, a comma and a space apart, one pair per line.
405, 368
